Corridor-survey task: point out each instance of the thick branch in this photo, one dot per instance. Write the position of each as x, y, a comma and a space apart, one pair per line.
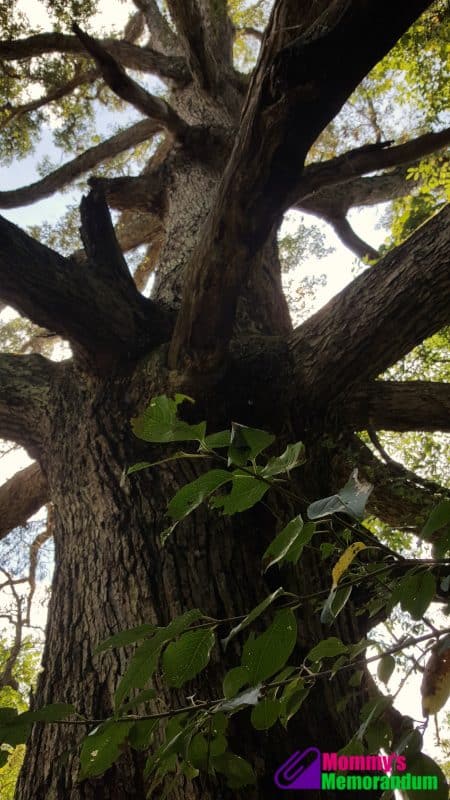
24, 398
339, 198
64, 175
21, 497
369, 158
399, 406
127, 89
161, 34
379, 317
206, 34
142, 59
106, 318
298, 87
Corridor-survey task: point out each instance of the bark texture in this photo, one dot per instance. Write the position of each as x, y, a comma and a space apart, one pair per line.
208, 204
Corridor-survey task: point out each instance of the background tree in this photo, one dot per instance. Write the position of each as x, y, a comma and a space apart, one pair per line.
201, 181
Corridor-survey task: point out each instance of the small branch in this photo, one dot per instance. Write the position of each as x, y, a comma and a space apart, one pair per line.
92, 157
15, 113
6, 677
35, 547
350, 239
142, 59
249, 31
21, 497
125, 87
144, 193
399, 406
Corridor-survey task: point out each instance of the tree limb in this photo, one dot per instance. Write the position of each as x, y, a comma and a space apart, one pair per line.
83, 78
126, 88
399, 406
142, 59
369, 158
161, 34
336, 200
350, 238
25, 383
21, 497
297, 87
193, 33
25, 195
107, 319
378, 318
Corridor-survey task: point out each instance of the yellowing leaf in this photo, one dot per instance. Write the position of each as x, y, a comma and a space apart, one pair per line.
345, 560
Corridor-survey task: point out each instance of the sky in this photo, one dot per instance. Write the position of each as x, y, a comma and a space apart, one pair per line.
339, 266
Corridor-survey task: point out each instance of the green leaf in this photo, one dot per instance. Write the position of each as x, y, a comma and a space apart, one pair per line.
102, 748
189, 497
3, 758
386, 666
254, 614
159, 422
293, 697
216, 440
14, 733
283, 543
439, 517
50, 713
140, 699
184, 659
127, 637
265, 714
246, 444
416, 592
295, 551
335, 602
146, 658
327, 648
7, 714
141, 734
238, 772
234, 680
268, 653
246, 491
293, 456
422, 764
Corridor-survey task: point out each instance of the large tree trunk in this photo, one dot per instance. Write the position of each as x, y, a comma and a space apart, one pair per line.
112, 573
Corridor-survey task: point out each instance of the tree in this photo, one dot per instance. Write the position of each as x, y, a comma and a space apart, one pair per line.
230, 154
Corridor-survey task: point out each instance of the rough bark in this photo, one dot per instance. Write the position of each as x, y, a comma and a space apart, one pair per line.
112, 573
217, 224
370, 320
143, 59
399, 406
298, 86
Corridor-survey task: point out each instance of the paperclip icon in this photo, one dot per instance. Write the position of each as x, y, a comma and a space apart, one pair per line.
300, 771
